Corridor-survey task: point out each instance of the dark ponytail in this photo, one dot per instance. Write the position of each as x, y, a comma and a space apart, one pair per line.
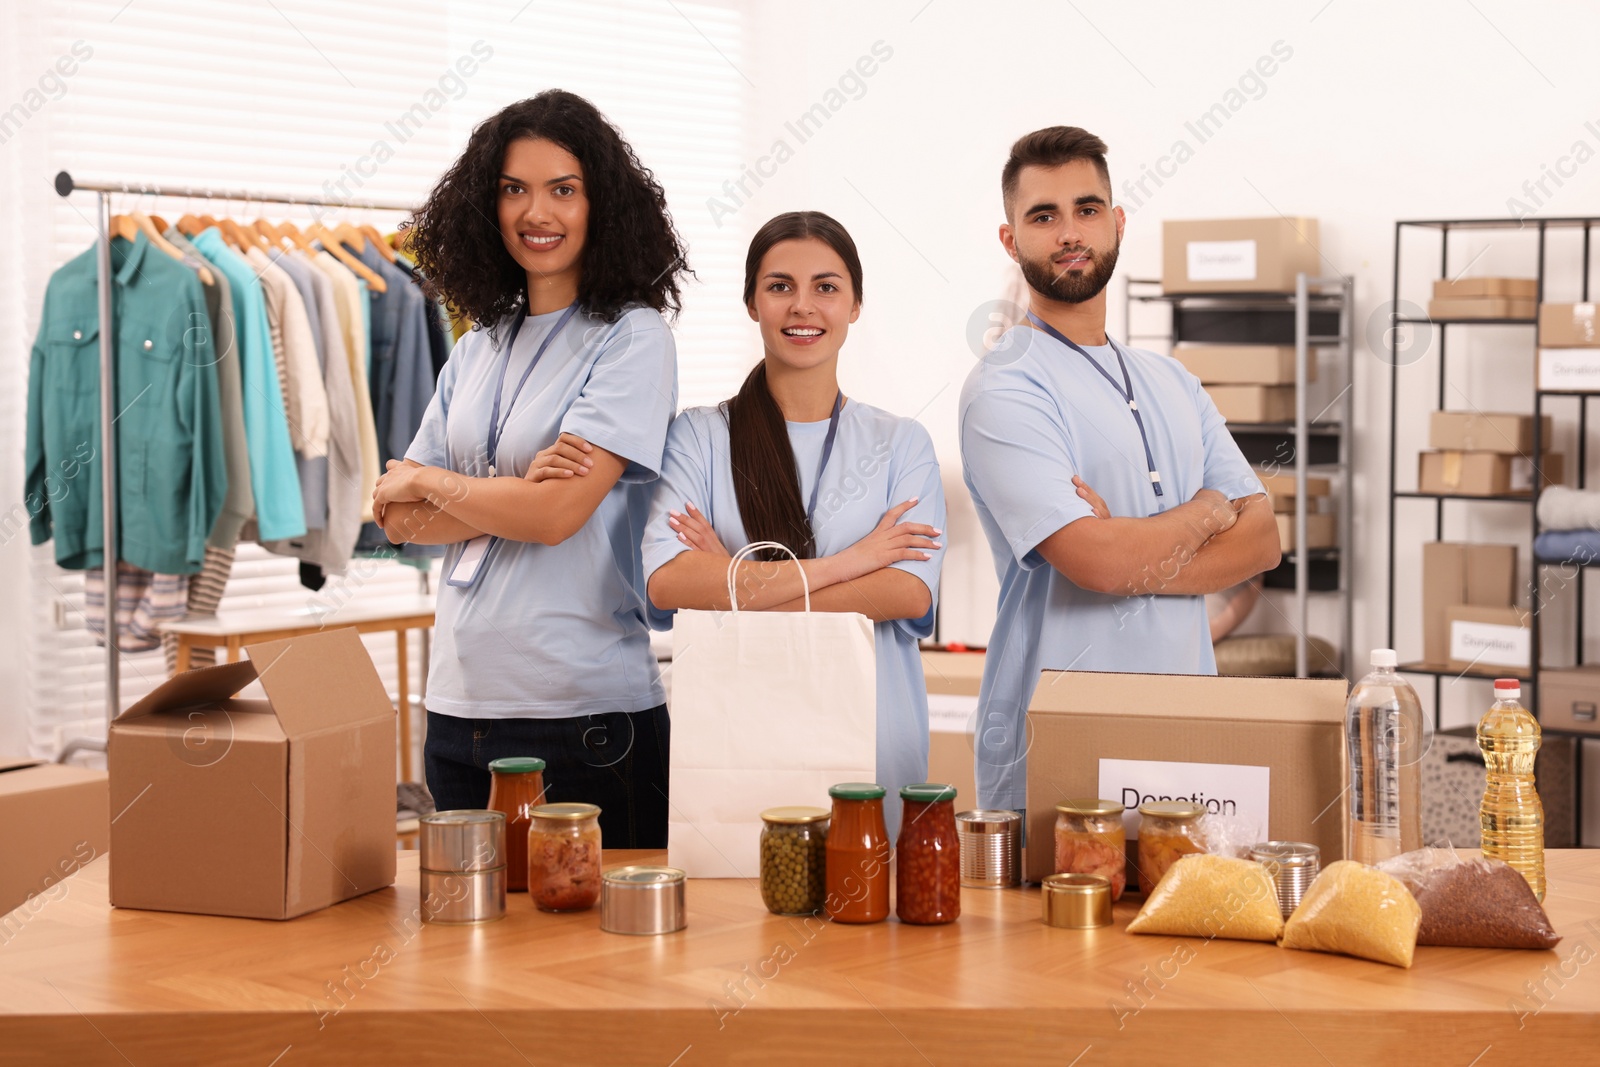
766, 482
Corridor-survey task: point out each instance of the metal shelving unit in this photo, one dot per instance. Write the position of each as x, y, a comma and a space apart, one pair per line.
1316, 315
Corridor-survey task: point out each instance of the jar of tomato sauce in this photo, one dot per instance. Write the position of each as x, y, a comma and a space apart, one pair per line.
564, 857
516, 787
928, 856
858, 855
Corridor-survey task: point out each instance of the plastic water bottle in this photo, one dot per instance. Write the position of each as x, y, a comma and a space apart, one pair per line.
1387, 735
1511, 817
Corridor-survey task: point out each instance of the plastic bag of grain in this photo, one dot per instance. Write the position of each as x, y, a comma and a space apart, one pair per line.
1212, 896
1471, 903
1359, 911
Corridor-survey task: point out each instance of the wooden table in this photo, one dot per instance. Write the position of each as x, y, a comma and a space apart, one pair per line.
233, 630
366, 982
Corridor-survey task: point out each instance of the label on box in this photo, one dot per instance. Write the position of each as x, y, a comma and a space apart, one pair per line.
951, 713
1489, 644
1222, 261
1574, 369
1237, 791
1521, 474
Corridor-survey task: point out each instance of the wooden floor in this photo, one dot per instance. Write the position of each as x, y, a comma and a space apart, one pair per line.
365, 982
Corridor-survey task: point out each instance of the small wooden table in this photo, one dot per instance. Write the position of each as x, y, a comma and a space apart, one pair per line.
365, 981
233, 630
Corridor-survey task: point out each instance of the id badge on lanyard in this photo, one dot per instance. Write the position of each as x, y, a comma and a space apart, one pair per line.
475, 554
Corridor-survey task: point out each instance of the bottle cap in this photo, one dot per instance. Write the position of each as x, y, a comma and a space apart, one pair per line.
1384, 657
1507, 689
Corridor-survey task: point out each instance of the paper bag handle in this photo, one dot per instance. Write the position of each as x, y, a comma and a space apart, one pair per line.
754, 547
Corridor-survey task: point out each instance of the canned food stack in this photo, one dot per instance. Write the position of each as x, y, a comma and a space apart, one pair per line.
463, 866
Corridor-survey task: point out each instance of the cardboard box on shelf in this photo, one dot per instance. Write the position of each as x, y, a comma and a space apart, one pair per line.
265, 809
1569, 325
1283, 483
1569, 698
1322, 531
57, 818
1267, 750
1454, 573
1283, 504
1569, 370
1483, 473
1238, 255
1243, 364
1459, 288
1482, 307
1485, 640
1477, 431
952, 679
1253, 403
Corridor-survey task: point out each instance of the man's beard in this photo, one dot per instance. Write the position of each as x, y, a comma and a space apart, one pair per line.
1069, 287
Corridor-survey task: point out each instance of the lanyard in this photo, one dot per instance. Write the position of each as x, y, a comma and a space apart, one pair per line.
496, 424
1125, 390
827, 450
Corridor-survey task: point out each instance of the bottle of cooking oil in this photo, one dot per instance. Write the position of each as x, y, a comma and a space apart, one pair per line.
1511, 817
1387, 736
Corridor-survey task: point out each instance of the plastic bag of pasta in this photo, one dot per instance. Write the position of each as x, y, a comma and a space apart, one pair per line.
1212, 896
1359, 911
1471, 903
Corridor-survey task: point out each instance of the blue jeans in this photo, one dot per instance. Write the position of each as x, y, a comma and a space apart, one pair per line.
617, 760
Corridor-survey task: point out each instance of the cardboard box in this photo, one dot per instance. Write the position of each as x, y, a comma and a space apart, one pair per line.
265, 809
1454, 574
953, 679
1253, 403
1489, 640
1283, 483
1477, 431
1564, 325
1569, 699
1483, 473
1569, 370
1322, 531
1468, 288
57, 818
1238, 255
1283, 504
1482, 307
1243, 364
1280, 742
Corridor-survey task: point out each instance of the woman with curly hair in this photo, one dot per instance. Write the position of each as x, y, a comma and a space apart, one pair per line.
552, 237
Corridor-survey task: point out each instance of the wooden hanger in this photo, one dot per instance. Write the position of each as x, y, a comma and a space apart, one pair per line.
160, 224
292, 232
334, 248
147, 226
189, 225
371, 233
124, 226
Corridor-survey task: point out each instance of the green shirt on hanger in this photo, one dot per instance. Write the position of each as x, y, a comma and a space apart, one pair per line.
171, 477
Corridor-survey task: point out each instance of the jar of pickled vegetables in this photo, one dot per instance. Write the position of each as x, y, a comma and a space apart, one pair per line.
1090, 840
858, 855
1168, 831
794, 859
564, 857
928, 856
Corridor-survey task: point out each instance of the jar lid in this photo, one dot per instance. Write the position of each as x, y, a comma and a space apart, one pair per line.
1172, 809
516, 765
927, 792
1089, 806
857, 791
988, 820
795, 816
643, 876
1286, 853
565, 811
1076, 901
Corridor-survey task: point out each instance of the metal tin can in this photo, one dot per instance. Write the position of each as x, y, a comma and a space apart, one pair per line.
642, 900
991, 848
462, 897
465, 839
1076, 901
1293, 865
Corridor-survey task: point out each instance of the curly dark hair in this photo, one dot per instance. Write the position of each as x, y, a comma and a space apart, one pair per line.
632, 254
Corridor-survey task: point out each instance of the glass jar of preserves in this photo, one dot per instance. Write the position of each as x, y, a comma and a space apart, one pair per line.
1168, 831
858, 855
564, 857
516, 787
928, 856
794, 859
1090, 839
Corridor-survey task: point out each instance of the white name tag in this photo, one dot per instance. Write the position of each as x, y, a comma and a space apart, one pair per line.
1234, 790
1221, 261
468, 566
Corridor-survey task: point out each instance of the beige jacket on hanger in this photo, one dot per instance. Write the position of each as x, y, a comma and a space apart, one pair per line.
307, 397
350, 294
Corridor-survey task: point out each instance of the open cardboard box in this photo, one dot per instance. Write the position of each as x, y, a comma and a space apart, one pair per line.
265, 809
1240, 745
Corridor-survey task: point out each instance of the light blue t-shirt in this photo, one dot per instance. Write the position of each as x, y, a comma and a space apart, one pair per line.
553, 631
1033, 414
879, 460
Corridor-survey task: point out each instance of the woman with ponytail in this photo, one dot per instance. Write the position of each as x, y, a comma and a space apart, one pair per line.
852, 489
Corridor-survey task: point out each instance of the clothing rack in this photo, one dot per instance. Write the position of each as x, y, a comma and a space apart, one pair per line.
66, 185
